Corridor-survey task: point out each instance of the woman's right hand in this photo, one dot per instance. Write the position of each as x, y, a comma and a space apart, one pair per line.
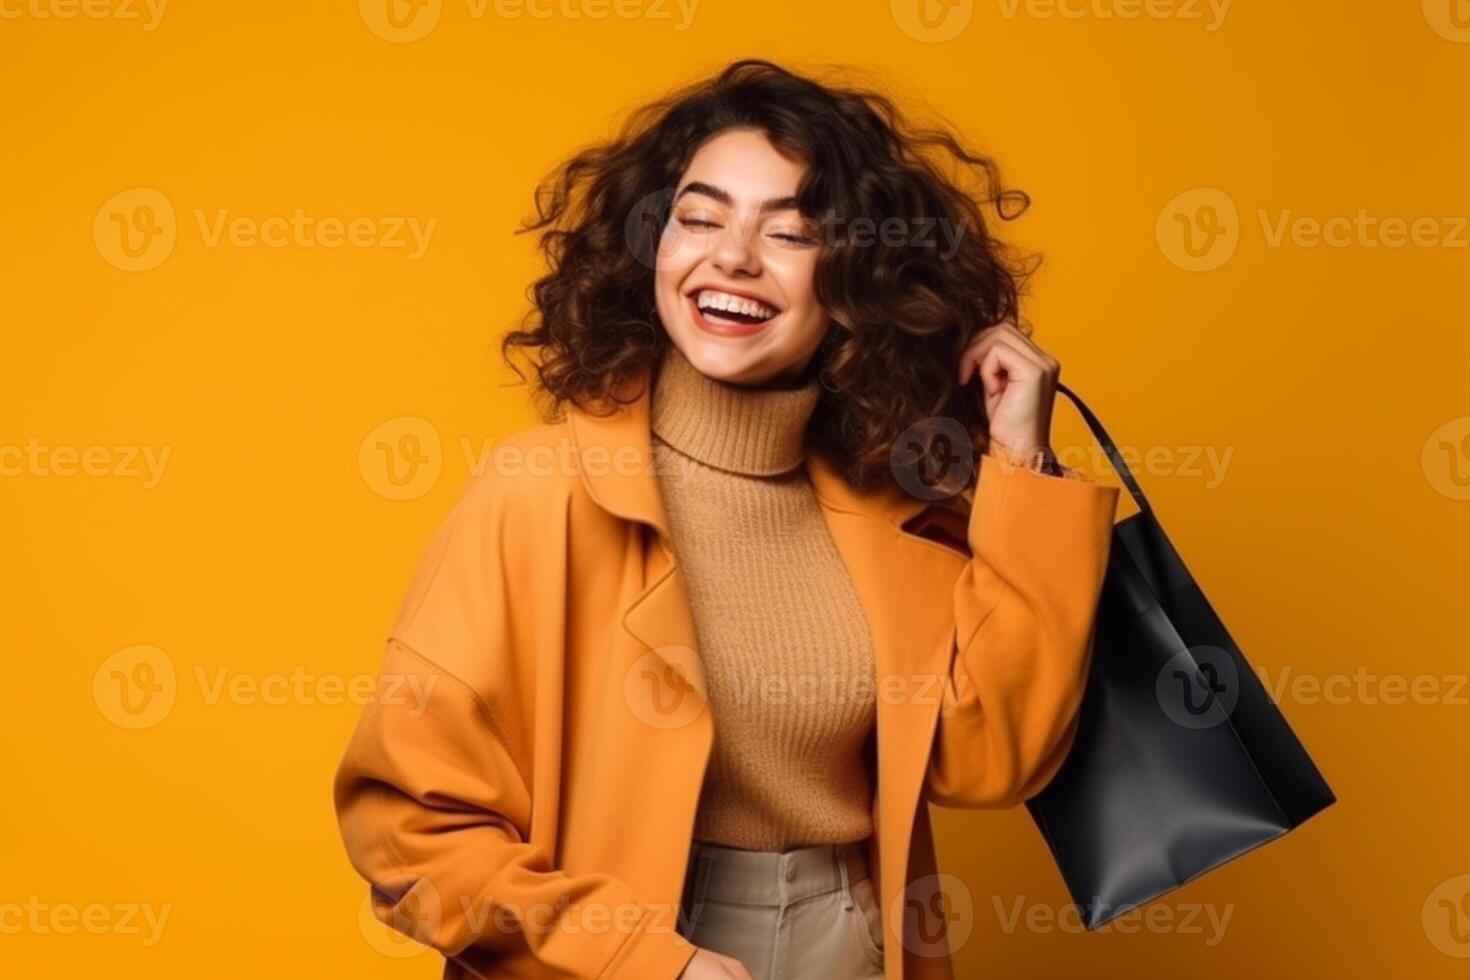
709, 965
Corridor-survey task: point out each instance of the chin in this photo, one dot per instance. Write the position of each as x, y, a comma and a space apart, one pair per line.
723, 360
752, 359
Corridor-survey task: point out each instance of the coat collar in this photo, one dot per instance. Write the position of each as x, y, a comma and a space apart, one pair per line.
617, 467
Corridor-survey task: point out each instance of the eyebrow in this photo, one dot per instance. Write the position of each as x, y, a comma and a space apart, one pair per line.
709, 190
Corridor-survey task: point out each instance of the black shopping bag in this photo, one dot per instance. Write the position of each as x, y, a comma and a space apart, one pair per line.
1181, 761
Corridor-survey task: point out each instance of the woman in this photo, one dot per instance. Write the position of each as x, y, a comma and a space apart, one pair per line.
695, 654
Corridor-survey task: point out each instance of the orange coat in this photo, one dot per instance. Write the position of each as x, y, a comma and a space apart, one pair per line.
522, 792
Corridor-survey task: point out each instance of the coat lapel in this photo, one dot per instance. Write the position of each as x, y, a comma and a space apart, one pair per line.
906, 584
616, 463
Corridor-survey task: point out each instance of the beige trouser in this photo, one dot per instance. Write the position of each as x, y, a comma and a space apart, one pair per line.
804, 913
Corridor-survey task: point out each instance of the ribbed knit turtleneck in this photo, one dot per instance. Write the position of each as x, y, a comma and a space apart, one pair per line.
783, 638
757, 431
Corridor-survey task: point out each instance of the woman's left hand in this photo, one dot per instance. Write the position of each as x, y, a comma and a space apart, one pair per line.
1019, 380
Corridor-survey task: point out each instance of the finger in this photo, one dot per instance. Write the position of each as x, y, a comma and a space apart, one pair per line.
1049, 367
975, 354
1018, 358
1015, 330
974, 351
1006, 363
1004, 327
1021, 324
977, 345
739, 970
1020, 329
1006, 330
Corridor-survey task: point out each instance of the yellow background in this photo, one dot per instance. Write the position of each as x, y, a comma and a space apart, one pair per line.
1336, 543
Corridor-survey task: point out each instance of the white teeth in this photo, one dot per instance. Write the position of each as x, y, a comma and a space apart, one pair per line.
710, 299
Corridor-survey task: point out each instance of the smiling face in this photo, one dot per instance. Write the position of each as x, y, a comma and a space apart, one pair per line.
735, 277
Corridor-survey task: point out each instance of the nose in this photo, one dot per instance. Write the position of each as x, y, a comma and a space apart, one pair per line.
733, 254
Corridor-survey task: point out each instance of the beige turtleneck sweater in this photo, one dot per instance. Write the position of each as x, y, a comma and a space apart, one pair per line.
783, 638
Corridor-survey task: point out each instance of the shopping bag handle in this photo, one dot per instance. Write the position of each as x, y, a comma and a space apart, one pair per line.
1108, 447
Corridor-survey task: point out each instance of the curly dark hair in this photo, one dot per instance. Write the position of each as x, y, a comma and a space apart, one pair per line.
903, 309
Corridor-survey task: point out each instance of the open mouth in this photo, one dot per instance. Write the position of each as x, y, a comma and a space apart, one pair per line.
728, 309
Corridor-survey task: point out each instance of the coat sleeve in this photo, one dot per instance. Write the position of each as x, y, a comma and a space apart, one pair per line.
434, 793
1024, 610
